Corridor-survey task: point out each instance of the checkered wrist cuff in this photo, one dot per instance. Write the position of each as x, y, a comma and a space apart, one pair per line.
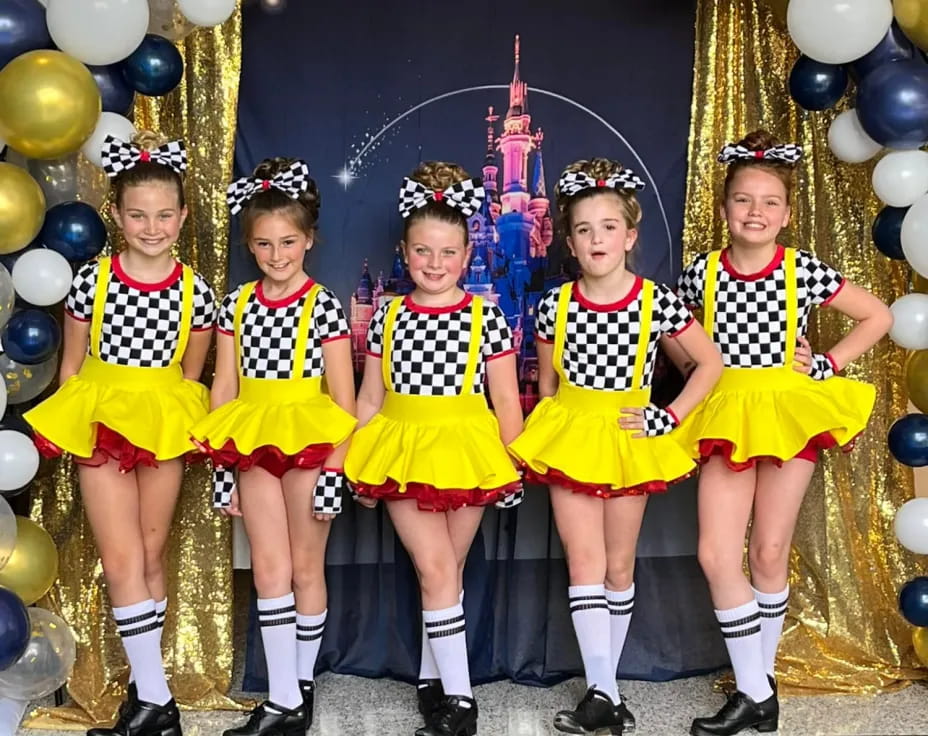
327, 497
223, 487
657, 421
822, 367
511, 500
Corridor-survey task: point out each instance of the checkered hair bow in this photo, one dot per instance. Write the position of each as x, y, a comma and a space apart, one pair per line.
574, 182
119, 156
466, 196
292, 181
787, 153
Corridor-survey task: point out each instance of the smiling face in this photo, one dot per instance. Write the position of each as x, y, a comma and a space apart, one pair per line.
150, 216
756, 207
600, 235
436, 253
278, 245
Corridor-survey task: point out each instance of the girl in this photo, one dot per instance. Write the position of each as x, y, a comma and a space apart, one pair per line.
278, 338
777, 404
137, 328
428, 444
595, 438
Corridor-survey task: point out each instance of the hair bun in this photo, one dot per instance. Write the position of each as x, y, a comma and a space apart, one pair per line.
759, 140
438, 175
148, 140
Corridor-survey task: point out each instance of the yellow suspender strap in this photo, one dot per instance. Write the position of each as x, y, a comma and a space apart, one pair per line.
388, 324
302, 331
708, 293
99, 304
473, 348
792, 305
186, 314
560, 328
644, 335
247, 290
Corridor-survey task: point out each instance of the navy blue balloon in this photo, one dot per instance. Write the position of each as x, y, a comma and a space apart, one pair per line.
892, 104
895, 46
913, 601
15, 629
816, 86
31, 336
22, 29
115, 91
887, 232
908, 440
155, 67
75, 230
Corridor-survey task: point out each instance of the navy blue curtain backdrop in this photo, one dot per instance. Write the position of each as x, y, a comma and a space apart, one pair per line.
512, 92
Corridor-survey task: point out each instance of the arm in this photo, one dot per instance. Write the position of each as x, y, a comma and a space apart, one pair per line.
371, 395
225, 379
547, 376
339, 375
873, 320
504, 393
678, 355
195, 354
696, 345
76, 337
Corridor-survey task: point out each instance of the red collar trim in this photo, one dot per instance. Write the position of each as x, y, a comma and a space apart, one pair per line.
287, 300
614, 306
413, 307
763, 273
145, 285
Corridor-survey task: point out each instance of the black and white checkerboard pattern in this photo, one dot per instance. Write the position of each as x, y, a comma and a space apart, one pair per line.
140, 328
511, 500
429, 351
269, 333
821, 367
750, 316
223, 487
327, 496
600, 347
657, 421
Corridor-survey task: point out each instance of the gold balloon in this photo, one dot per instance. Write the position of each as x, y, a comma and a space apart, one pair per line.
920, 641
49, 104
22, 208
912, 16
916, 379
33, 567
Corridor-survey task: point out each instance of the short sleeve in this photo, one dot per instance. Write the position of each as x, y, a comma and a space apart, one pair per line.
329, 317
204, 305
225, 322
375, 331
545, 316
692, 282
79, 302
821, 280
497, 335
672, 314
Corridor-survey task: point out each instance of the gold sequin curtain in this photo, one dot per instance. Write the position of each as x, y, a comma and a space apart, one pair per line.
197, 638
843, 632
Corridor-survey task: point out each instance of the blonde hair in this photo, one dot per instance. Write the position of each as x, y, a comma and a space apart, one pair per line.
437, 176
598, 168
147, 172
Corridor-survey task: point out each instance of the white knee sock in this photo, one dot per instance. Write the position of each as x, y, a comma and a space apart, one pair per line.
772, 614
620, 603
277, 619
309, 631
141, 637
447, 640
590, 614
741, 629
428, 667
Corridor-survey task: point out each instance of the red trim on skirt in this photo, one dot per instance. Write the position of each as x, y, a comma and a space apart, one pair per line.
723, 448
268, 457
110, 446
430, 498
556, 478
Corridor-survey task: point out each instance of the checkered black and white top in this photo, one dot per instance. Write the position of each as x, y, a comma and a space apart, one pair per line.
750, 310
430, 345
141, 321
601, 340
269, 330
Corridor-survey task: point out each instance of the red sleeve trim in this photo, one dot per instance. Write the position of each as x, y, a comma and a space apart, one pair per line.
332, 470
337, 337
202, 329
837, 291
225, 332
834, 366
682, 329
673, 414
543, 339
373, 355
501, 355
75, 317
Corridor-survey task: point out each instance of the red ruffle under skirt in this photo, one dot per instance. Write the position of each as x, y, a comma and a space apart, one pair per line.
430, 498
268, 457
723, 448
556, 478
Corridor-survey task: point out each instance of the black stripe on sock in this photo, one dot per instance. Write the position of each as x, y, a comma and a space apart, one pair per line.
136, 619
314, 627
621, 611
446, 622
773, 605
275, 611
125, 633
445, 632
740, 621
741, 632
587, 598
308, 637
774, 614
276, 621
589, 607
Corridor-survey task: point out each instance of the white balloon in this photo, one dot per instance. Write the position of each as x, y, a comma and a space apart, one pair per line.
910, 322
207, 12
914, 235
901, 177
19, 460
911, 525
848, 140
97, 31
110, 123
2, 397
837, 31
42, 277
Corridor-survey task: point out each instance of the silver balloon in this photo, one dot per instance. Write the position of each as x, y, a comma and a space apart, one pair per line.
70, 178
7, 531
7, 296
47, 662
167, 20
25, 382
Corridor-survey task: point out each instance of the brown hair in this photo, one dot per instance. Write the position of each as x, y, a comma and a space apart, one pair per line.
598, 168
302, 211
760, 140
147, 172
438, 176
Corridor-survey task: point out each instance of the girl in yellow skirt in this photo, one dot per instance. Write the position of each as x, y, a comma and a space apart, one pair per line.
428, 444
137, 329
759, 432
595, 438
272, 422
